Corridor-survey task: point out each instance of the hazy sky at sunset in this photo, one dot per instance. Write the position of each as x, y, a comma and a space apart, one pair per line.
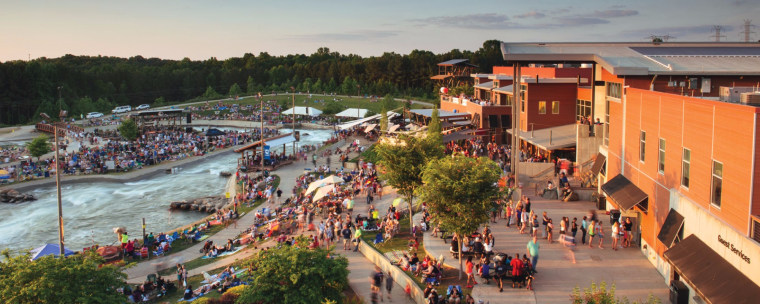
201, 29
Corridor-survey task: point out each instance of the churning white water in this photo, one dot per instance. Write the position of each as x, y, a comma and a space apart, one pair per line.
91, 210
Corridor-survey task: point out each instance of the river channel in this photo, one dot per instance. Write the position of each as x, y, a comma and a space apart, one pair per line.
92, 210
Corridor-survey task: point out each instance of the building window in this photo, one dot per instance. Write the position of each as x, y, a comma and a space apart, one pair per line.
507, 100
582, 109
506, 121
685, 167
755, 230
555, 107
542, 107
717, 183
642, 146
661, 157
614, 90
523, 96
607, 124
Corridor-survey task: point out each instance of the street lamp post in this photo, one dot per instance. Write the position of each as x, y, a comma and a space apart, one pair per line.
293, 109
57, 183
261, 101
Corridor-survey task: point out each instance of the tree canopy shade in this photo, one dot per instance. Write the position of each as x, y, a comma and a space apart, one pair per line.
296, 274
74, 279
401, 164
38, 146
458, 191
434, 127
128, 129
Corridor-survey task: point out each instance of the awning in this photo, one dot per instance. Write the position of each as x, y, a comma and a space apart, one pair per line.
598, 164
353, 112
393, 128
370, 128
353, 123
485, 85
669, 230
272, 141
625, 194
280, 141
457, 136
550, 138
303, 111
711, 276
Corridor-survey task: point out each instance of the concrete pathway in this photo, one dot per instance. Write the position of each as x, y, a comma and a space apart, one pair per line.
634, 277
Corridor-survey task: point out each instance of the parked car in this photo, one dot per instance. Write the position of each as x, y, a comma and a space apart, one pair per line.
94, 115
121, 109
143, 107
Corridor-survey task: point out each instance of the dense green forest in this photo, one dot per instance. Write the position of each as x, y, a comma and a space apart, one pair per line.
88, 84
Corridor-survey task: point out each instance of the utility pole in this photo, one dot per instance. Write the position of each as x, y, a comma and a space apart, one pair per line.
261, 101
292, 89
58, 177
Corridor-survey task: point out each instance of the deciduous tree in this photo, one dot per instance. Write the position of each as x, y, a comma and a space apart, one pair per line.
49, 279
39, 146
401, 164
128, 129
458, 191
296, 274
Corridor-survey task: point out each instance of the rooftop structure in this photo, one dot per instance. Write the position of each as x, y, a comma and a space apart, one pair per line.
453, 73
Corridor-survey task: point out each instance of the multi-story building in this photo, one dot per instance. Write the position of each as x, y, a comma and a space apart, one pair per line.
675, 159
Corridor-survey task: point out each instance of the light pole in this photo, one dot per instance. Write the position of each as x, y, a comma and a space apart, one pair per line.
293, 90
57, 180
261, 101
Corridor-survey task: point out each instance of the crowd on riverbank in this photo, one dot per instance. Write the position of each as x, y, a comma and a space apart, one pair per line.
102, 152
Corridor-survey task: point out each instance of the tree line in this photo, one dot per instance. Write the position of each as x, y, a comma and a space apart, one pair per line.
82, 84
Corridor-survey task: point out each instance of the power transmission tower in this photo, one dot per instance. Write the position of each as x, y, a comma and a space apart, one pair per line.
747, 29
717, 35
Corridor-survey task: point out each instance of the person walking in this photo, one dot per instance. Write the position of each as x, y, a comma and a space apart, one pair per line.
357, 238
574, 227
533, 252
599, 232
615, 235
376, 282
584, 227
389, 285
346, 233
591, 232
279, 195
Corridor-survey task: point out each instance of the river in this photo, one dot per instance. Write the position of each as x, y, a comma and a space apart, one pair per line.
92, 210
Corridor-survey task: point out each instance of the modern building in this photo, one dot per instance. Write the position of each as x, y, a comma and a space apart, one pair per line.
677, 157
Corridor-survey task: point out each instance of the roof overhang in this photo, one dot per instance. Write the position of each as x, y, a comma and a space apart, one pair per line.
711, 276
625, 194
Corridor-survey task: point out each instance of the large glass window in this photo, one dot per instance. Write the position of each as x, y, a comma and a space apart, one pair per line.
523, 97
582, 109
661, 157
717, 183
642, 146
614, 90
685, 167
555, 107
542, 107
607, 124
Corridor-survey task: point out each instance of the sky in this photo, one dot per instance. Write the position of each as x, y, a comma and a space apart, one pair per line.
196, 29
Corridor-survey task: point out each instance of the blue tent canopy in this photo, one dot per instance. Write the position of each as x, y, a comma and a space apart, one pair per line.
49, 249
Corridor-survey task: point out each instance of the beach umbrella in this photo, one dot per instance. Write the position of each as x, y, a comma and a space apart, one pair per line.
332, 179
49, 249
322, 192
4, 174
397, 201
315, 185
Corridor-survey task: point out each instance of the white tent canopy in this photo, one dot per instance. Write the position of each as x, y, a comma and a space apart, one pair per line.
351, 124
303, 111
353, 112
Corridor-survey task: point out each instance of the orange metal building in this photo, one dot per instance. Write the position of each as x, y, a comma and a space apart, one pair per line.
679, 155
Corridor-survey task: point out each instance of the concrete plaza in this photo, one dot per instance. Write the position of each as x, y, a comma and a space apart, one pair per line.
633, 276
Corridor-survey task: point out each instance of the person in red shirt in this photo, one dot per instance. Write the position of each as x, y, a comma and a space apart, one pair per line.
468, 270
517, 270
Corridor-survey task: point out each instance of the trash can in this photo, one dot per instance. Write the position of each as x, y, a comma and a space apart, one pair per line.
614, 216
601, 202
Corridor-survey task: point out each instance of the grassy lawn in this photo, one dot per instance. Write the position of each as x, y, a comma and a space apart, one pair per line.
369, 155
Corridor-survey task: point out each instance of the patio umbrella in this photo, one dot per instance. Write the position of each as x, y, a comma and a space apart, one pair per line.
332, 179
49, 249
315, 185
397, 201
322, 192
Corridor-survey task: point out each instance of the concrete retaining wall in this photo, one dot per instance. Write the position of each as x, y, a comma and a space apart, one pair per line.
398, 275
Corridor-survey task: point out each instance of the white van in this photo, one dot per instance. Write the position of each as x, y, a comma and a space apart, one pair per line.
121, 109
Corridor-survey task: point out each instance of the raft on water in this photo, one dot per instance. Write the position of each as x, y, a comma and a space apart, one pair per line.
208, 204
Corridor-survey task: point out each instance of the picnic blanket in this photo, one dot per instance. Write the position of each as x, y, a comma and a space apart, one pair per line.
191, 299
226, 253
